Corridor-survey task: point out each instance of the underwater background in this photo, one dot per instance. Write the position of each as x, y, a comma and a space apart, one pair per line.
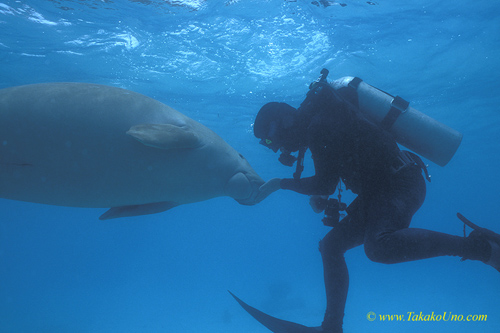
218, 61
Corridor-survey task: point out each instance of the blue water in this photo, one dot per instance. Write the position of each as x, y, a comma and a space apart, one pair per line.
63, 270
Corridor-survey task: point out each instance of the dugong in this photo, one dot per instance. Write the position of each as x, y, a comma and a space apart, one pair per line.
89, 145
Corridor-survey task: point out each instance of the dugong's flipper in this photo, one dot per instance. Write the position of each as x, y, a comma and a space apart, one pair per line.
136, 210
165, 136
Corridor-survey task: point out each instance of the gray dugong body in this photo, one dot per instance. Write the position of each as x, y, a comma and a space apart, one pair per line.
88, 145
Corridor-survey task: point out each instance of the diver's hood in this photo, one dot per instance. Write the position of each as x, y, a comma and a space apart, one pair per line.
274, 125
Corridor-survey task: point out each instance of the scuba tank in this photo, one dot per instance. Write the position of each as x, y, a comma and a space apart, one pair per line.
410, 128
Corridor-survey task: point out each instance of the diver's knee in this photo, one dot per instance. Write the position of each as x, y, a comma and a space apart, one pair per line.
376, 252
330, 247
322, 246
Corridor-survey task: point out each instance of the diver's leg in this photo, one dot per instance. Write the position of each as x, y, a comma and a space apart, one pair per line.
389, 240
344, 236
391, 246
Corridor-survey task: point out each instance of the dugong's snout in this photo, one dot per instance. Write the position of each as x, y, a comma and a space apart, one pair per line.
244, 187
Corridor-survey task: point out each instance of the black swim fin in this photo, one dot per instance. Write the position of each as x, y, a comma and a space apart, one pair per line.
274, 324
490, 235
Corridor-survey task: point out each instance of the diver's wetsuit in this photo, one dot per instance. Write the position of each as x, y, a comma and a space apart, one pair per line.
366, 158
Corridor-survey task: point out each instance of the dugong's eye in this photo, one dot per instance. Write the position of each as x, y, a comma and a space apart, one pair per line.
243, 157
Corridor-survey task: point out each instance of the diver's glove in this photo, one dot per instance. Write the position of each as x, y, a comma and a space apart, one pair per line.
318, 203
267, 188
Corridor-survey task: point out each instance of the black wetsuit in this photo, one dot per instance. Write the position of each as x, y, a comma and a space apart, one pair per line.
366, 158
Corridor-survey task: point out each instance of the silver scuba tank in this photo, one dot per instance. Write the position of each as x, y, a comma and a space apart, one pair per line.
411, 128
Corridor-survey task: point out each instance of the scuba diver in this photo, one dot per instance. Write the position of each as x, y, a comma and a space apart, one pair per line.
348, 147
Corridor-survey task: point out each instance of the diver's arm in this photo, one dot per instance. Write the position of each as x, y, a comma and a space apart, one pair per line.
267, 188
314, 185
324, 182
326, 177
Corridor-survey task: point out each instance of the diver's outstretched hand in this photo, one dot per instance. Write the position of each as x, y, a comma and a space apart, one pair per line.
267, 188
